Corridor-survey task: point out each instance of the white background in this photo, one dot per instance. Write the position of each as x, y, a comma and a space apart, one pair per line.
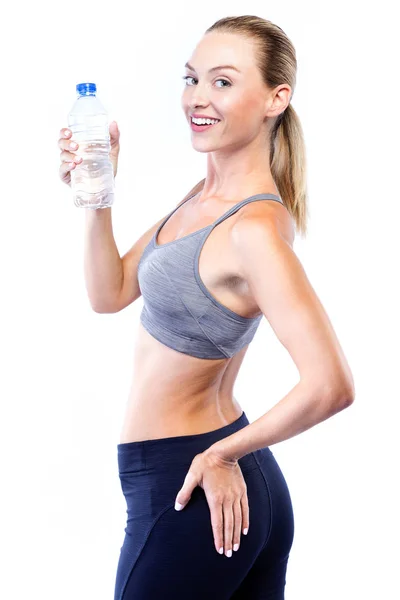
66, 371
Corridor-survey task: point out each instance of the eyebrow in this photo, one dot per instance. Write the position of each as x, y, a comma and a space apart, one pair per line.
188, 66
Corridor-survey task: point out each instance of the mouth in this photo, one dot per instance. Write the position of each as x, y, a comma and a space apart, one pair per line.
199, 128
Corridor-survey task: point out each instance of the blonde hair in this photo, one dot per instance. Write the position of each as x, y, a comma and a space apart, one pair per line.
276, 59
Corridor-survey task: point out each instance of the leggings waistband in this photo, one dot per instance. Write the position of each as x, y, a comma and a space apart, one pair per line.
156, 454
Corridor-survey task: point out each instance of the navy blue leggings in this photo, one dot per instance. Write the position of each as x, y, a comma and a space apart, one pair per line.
170, 555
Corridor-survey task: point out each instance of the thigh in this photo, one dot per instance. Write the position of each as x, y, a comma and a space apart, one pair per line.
176, 559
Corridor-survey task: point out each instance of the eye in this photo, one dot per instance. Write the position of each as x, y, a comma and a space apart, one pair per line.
225, 81
186, 77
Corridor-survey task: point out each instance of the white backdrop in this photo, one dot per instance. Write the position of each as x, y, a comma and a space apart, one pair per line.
66, 370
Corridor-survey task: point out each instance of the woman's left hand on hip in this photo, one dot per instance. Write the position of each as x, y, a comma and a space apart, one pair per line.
226, 492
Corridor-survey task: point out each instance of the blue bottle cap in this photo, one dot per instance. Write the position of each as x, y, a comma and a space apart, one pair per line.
86, 89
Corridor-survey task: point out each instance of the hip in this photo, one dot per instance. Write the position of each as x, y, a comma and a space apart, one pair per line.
152, 472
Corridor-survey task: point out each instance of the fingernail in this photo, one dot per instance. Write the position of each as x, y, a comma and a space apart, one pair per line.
221, 550
229, 553
236, 547
66, 133
178, 506
245, 531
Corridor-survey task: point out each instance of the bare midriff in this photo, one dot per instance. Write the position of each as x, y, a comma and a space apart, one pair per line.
176, 394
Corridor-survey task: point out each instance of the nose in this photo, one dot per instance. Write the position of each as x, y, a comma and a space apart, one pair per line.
198, 97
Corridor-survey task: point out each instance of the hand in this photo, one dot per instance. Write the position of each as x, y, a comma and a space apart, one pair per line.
226, 493
69, 160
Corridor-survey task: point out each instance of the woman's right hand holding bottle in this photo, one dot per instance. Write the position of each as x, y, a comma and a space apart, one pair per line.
68, 156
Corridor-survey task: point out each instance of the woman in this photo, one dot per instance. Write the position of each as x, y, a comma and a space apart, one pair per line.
208, 272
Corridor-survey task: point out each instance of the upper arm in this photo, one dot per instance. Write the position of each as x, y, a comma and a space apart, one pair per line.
130, 290
283, 293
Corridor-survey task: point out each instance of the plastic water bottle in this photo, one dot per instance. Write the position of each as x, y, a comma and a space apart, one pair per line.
92, 180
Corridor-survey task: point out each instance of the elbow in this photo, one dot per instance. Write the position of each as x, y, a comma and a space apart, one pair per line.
346, 399
347, 392
101, 309
342, 394
336, 394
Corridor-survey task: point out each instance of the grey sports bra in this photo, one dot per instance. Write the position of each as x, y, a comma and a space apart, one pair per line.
178, 309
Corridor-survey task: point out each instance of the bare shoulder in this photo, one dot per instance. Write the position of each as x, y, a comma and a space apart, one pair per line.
266, 217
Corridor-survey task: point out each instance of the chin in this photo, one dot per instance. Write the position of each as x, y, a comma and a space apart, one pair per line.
205, 146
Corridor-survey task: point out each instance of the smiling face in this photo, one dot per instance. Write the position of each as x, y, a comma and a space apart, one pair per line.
238, 97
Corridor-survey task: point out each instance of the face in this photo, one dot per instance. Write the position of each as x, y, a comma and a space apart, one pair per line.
238, 98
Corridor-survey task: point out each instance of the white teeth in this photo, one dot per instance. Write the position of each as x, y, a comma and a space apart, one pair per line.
204, 121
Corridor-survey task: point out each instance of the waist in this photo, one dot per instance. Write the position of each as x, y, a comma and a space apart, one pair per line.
161, 453
150, 417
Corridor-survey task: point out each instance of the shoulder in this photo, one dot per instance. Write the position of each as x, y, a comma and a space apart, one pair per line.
264, 221
262, 245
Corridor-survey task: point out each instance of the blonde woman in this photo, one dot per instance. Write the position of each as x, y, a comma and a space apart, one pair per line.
209, 514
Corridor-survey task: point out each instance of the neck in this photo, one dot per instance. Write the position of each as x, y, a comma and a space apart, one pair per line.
239, 172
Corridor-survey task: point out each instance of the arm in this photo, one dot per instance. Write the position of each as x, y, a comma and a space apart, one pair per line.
102, 263
285, 296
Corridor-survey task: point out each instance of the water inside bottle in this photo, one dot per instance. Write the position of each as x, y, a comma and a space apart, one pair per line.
92, 179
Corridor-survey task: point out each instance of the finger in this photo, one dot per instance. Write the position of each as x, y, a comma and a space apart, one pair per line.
185, 492
68, 165
69, 145
245, 513
65, 136
217, 524
65, 169
69, 156
228, 528
237, 523
65, 132
114, 131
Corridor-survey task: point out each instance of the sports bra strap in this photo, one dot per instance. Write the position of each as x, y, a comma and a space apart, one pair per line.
236, 207
230, 211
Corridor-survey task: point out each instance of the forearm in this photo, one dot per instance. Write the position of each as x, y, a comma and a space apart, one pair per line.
299, 410
102, 262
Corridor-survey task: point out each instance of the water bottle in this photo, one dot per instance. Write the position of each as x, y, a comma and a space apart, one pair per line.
92, 180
